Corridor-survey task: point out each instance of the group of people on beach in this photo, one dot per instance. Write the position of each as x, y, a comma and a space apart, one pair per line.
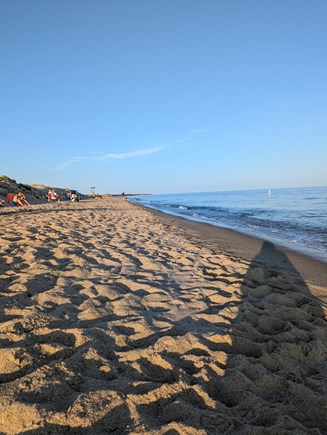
19, 199
70, 195
15, 199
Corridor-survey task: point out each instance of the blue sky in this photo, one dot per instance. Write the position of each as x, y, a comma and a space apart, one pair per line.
164, 96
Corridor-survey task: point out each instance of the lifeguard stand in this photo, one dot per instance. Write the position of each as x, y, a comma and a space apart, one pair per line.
93, 192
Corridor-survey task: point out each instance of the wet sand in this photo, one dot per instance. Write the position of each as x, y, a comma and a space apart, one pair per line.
118, 319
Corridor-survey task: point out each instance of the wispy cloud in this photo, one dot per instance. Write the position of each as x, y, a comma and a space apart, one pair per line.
69, 162
138, 153
187, 138
107, 156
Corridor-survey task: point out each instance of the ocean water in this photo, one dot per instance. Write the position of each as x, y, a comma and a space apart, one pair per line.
295, 218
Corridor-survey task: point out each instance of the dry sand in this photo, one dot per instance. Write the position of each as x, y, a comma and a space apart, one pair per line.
115, 319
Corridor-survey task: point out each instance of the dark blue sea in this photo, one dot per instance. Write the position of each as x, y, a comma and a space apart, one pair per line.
295, 218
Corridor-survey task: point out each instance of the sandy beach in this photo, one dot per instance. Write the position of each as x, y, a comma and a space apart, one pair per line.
118, 319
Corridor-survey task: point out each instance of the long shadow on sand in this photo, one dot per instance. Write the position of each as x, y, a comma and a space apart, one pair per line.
275, 378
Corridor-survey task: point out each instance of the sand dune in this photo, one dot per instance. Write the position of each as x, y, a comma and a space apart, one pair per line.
114, 320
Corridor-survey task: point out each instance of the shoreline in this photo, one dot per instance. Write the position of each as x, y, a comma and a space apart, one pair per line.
240, 244
299, 249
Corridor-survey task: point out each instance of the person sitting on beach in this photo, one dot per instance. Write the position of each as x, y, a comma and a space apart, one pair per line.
13, 199
22, 199
18, 199
50, 195
53, 196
